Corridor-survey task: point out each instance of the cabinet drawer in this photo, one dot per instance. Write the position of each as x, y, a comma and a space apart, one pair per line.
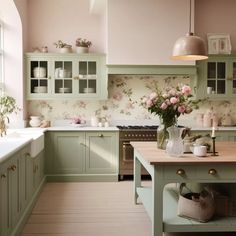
214, 172
179, 173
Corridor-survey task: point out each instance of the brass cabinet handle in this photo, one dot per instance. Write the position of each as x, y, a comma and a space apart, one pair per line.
13, 167
27, 154
3, 176
212, 172
180, 172
101, 135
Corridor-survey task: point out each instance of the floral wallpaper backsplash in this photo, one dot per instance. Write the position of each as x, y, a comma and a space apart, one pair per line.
123, 104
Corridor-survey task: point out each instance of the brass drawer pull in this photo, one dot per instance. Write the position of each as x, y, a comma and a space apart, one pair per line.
27, 154
100, 135
180, 172
13, 167
212, 172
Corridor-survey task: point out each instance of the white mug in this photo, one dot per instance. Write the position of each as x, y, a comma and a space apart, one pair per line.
200, 151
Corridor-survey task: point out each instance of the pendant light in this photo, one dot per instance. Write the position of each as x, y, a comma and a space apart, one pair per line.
189, 47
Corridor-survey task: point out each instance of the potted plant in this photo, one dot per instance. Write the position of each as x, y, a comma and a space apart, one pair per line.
82, 45
64, 47
7, 106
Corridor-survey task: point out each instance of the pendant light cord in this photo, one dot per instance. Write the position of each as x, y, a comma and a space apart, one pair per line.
190, 15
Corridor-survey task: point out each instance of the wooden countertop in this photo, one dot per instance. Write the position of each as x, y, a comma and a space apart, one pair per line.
154, 156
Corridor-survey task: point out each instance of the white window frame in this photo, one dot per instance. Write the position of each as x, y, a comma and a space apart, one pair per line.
1, 59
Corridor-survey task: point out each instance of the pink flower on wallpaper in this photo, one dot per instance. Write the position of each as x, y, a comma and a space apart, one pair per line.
129, 106
80, 104
117, 96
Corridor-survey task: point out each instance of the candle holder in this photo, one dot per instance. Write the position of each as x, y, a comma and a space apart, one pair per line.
214, 153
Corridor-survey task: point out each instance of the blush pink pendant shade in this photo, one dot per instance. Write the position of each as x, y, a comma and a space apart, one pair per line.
189, 47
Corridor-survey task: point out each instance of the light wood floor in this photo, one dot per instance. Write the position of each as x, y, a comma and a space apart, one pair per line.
90, 209
87, 209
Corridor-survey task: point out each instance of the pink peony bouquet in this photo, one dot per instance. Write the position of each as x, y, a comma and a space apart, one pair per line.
170, 103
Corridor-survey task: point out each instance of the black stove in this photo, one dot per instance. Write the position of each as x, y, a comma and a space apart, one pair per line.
132, 133
138, 127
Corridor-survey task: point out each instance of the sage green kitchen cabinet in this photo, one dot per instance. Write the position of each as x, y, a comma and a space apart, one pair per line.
12, 188
82, 156
219, 73
34, 173
18, 184
60, 76
67, 152
101, 153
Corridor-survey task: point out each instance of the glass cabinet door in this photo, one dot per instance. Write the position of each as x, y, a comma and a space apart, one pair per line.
234, 79
39, 75
216, 77
63, 77
87, 78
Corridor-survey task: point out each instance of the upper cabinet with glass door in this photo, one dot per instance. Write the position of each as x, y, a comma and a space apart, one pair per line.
38, 77
79, 76
217, 77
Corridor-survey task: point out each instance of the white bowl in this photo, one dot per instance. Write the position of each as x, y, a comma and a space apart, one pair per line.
89, 90
39, 72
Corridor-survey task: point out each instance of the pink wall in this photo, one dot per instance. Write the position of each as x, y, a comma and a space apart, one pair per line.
216, 16
52, 20
144, 31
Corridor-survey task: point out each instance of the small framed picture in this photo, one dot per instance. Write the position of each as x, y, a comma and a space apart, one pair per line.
219, 44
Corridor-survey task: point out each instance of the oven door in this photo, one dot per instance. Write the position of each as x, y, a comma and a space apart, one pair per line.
127, 152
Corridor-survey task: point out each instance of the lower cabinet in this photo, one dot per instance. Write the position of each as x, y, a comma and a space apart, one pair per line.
16, 192
101, 156
85, 156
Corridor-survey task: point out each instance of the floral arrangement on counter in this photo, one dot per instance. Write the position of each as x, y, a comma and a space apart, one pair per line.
83, 43
7, 106
169, 104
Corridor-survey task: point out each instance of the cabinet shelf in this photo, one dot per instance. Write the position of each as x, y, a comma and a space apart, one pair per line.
174, 223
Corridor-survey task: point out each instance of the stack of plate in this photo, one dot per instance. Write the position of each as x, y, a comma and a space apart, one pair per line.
89, 90
40, 89
64, 90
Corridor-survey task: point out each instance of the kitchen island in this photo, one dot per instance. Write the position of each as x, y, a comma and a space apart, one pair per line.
160, 202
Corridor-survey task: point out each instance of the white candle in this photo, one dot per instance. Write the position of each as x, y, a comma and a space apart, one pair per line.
213, 132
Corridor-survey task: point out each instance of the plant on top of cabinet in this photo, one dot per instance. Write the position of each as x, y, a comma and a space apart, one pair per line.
64, 47
7, 106
82, 45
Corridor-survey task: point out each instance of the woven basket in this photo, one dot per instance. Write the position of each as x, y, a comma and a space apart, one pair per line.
196, 206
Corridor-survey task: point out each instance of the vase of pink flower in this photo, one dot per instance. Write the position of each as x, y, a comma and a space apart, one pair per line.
169, 104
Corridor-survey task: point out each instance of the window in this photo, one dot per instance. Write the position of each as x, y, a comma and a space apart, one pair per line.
1, 59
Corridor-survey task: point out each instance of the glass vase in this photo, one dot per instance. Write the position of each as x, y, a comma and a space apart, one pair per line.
162, 136
175, 145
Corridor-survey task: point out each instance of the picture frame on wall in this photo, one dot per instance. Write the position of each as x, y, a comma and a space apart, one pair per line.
219, 44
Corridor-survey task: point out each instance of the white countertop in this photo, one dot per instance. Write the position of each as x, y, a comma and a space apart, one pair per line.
9, 146
83, 128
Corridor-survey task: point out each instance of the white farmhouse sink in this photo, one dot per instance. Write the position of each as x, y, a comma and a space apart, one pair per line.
37, 140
